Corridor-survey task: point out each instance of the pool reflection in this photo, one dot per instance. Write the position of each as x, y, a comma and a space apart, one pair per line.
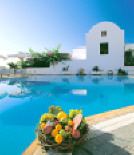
24, 100
47, 86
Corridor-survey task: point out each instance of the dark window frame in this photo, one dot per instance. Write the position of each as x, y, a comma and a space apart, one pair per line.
104, 48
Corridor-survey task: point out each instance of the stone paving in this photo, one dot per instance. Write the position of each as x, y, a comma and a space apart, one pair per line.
110, 133
117, 142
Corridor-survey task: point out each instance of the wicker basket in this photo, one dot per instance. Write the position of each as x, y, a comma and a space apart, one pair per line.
47, 144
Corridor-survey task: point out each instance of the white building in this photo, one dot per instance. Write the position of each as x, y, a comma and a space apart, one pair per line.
105, 48
128, 47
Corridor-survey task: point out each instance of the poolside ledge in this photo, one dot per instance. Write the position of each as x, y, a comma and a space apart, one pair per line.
90, 120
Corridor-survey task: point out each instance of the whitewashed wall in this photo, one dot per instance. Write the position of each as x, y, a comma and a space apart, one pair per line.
129, 46
57, 69
80, 53
115, 38
111, 61
73, 69
129, 69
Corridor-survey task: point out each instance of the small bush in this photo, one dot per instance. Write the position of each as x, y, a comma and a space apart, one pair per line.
12, 65
81, 71
96, 68
122, 72
128, 58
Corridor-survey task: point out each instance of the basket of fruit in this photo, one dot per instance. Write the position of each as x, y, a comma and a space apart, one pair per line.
60, 131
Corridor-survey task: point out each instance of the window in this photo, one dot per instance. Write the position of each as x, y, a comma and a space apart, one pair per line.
103, 48
103, 33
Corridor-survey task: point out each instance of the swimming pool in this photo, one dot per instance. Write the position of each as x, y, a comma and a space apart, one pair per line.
24, 100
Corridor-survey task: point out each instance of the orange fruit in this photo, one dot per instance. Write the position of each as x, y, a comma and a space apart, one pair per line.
54, 133
70, 122
58, 127
42, 125
58, 138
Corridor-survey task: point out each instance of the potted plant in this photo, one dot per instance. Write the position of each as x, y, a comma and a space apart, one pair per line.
60, 131
65, 69
82, 72
96, 70
121, 72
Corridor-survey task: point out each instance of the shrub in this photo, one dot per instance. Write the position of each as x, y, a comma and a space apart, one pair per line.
81, 71
128, 58
44, 59
12, 65
122, 72
96, 68
65, 68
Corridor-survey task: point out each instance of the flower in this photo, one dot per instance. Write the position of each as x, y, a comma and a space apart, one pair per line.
50, 54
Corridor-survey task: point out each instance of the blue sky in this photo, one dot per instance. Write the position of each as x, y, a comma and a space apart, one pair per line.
40, 24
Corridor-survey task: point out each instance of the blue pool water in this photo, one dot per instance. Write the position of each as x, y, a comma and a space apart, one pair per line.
24, 100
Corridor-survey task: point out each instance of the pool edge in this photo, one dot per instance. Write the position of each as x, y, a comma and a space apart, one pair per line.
90, 120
